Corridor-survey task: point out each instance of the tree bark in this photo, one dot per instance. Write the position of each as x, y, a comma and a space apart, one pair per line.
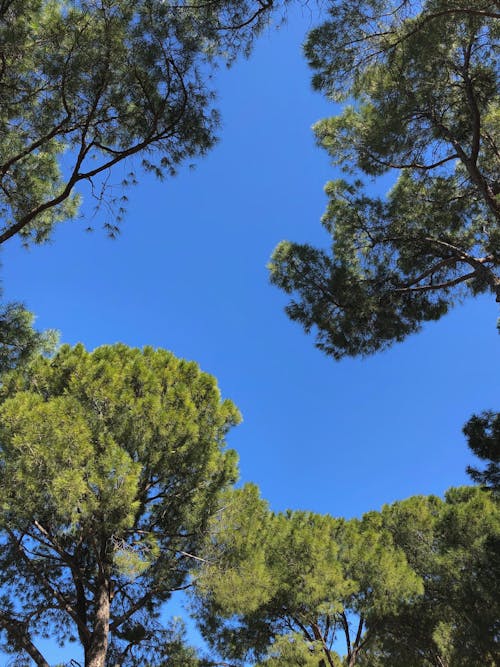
97, 647
35, 654
353, 658
319, 637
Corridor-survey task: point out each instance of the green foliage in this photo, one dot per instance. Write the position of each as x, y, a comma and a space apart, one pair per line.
279, 588
423, 100
170, 648
411, 586
454, 546
111, 465
291, 650
19, 341
85, 85
483, 437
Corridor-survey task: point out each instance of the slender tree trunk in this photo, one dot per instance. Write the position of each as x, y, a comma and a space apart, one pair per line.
35, 655
319, 637
17, 633
352, 656
97, 647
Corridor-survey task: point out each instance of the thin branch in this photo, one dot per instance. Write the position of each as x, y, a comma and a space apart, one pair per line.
264, 6
139, 604
438, 286
318, 636
345, 626
305, 631
58, 129
413, 165
473, 106
439, 265
63, 603
475, 175
359, 632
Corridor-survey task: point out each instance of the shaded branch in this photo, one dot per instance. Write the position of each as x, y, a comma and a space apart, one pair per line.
63, 603
444, 285
18, 635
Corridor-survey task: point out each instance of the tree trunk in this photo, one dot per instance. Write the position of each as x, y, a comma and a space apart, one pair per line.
97, 647
355, 648
35, 654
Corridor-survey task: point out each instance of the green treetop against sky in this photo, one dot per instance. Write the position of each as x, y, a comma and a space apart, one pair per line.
116, 480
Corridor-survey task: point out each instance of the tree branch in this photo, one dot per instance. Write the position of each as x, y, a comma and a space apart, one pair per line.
17, 633
345, 626
81, 600
318, 636
63, 603
429, 272
449, 283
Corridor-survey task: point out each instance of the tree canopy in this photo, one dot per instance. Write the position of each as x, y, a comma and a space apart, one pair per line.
413, 585
19, 340
284, 587
421, 82
111, 464
115, 480
87, 84
483, 437
453, 545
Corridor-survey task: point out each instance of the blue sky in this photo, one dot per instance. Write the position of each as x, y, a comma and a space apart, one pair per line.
188, 274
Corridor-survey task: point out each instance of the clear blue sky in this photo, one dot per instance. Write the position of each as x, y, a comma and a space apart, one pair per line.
188, 274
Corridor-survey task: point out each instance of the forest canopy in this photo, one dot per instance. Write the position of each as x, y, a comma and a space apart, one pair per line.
420, 84
87, 84
111, 465
399, 587
117, 488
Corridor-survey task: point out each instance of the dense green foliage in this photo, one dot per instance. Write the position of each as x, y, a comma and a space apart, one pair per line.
421, 80
285, 586
414, 585
19, 341
86, 84
455, 547
483, 437
111, 464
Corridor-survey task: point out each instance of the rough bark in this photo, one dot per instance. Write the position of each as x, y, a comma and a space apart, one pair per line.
97, 647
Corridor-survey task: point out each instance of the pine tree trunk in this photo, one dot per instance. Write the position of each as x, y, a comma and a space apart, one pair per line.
95, 654
352, 659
